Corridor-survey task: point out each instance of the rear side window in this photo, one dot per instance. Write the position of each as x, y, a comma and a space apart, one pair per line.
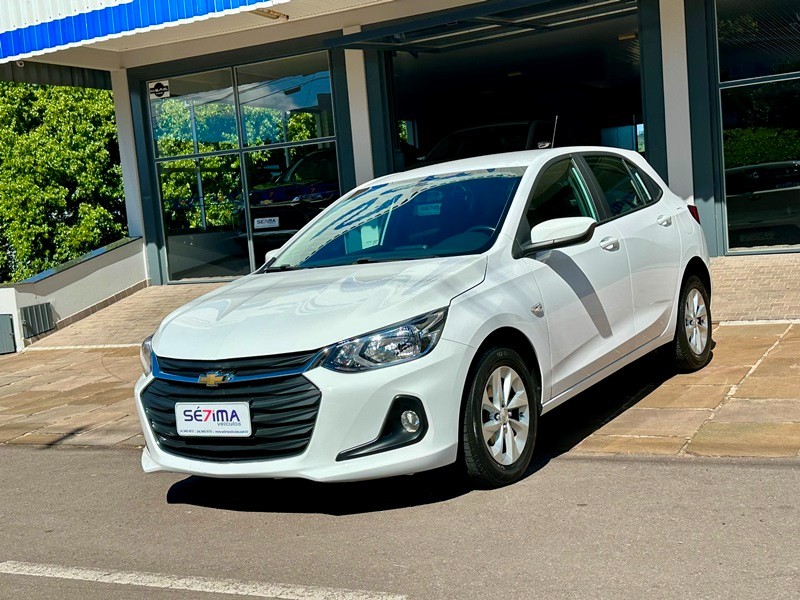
624, 191
651, 188
559, 192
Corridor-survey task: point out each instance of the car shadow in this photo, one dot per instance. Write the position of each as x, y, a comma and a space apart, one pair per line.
308, 497
559, 431
568, 425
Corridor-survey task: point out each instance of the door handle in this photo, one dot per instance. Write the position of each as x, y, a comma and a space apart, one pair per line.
664, 220
609, 243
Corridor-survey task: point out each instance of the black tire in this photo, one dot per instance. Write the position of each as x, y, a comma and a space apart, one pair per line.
478, 461
686, 357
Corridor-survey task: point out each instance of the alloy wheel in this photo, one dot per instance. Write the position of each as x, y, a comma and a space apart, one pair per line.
505, 415
696, 321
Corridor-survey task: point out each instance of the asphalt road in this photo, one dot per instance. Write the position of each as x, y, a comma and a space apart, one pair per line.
574, 528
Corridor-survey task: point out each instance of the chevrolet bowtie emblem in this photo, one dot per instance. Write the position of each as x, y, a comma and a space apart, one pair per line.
214, 379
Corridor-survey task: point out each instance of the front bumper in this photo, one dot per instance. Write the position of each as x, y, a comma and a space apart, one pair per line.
351, 413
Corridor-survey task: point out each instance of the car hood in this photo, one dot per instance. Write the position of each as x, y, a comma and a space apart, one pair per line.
292, 311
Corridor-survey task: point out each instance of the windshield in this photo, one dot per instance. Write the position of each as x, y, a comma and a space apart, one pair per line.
441, 215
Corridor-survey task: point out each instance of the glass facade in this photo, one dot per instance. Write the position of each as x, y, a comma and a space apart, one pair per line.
757, 38
760, 121
261, 132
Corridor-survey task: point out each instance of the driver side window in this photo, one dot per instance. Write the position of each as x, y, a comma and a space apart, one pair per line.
559, 192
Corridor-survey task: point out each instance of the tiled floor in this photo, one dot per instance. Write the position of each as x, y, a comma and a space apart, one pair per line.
746, 402
128, 321
75, 386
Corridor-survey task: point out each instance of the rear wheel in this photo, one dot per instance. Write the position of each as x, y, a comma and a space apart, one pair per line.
500, 419
693, 333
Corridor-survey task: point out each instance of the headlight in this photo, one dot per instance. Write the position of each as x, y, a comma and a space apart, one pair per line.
393, 345
146, 355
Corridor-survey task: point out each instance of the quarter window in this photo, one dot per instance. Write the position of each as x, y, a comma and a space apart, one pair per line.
624, 192
560, 192
653, 191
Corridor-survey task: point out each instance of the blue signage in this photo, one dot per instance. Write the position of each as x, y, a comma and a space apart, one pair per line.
31, 35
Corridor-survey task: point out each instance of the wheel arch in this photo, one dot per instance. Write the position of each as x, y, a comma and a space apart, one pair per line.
696, 266
506, 337
513, 338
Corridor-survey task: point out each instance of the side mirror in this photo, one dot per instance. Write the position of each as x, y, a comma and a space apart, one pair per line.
557, 233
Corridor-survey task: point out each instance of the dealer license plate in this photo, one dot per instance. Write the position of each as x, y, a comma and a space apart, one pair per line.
218, 419
267, 222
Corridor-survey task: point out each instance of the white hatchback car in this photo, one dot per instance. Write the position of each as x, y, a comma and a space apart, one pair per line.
427, 317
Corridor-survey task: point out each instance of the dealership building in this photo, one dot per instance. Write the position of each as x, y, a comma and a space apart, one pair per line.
226, 108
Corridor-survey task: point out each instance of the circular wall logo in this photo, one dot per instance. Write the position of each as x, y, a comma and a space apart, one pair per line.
158, 89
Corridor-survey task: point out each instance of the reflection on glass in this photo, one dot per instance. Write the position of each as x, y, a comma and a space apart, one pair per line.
285, 105
198, 116
287, 100
288, 187
761, 142
758, 37
438, 215
204, 217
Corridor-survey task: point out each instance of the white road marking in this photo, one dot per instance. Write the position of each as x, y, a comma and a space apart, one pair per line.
194, 584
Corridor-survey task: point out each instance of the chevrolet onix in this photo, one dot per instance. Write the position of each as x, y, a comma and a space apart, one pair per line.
430, 317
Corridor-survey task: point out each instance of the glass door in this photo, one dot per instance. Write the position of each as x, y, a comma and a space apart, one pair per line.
201, 193
245, 157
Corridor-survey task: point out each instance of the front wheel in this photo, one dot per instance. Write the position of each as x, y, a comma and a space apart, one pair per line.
692, 343
501, 415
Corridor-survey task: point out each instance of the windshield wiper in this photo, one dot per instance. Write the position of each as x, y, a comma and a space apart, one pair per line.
282, 268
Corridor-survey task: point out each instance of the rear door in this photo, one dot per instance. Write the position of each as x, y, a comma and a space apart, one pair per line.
651, 235
585, 288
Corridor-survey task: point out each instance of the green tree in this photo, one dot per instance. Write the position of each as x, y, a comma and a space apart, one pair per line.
60, 179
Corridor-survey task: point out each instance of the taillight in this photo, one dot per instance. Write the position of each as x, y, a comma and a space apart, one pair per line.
695, 214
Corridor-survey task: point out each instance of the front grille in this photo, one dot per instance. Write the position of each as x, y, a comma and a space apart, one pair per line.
260, 365
283, 412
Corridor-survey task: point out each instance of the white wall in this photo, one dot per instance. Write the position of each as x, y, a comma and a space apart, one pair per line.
674, 57
359, 111
8, 306
127, 152
78, 287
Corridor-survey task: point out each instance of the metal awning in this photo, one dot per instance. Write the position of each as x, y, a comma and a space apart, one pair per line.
30, 28
485, 22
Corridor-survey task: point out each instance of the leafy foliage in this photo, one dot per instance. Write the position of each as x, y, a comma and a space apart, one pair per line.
220, 205
762, 124
756, 146
60, 179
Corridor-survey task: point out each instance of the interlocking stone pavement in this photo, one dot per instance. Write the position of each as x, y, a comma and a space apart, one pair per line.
741, 409
756, 287
74, 387
128, 321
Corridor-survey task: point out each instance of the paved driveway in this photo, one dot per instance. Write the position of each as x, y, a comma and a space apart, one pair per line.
74, 387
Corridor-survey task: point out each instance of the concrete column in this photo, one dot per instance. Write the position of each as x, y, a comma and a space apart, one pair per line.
127, 152
359, 111
676, 97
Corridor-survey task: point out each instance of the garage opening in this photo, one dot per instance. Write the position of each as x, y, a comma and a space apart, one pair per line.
551, 74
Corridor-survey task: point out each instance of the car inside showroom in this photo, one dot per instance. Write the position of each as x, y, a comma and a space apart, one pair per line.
239, 129
553, 78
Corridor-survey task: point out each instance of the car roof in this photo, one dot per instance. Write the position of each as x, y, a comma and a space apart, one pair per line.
522, 158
